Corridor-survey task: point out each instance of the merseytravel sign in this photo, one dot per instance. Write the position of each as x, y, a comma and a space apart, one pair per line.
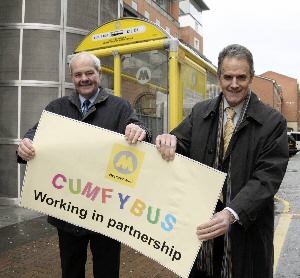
121, 32
93, 178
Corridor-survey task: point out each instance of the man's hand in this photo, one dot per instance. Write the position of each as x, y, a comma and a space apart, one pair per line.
134, 133
166, 145
217, 226
26, 150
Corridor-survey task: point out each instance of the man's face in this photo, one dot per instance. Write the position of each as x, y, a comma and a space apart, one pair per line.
235, 80
85, 76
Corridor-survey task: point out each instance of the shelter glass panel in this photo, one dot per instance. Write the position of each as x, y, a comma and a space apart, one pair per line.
8, 171
42, 48
212, 89
107, 64
34, 100
10, 11
9, 54
193, 87
108, 82
43, 11
9, 112
145, 85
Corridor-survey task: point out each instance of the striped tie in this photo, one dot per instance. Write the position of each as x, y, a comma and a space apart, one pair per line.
229, 127
85, 107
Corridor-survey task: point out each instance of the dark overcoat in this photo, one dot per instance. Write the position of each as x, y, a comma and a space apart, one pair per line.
108, 111
259, 155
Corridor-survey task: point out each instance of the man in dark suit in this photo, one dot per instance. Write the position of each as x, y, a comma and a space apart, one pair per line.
89, 103
238, 134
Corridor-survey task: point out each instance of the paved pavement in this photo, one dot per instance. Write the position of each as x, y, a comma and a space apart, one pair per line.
29, 248
29, 245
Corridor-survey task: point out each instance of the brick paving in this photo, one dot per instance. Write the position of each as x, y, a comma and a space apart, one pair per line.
29, 249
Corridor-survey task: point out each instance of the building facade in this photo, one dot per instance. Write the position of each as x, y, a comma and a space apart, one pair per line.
291, 100
36, 37
268, 91
181, 19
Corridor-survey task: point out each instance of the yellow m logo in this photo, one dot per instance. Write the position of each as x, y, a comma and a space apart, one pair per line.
125, 163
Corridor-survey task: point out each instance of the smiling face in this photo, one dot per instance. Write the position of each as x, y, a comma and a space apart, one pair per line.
235, 79
85, 76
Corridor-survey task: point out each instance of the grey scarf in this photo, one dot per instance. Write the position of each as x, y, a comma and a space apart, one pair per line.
204, 260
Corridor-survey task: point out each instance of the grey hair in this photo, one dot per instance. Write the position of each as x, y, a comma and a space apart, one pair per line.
92, 56
235, 51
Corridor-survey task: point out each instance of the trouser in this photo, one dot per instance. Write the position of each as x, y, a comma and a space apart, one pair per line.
73, 254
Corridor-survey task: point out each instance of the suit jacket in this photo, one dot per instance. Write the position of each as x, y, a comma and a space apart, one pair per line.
259, 156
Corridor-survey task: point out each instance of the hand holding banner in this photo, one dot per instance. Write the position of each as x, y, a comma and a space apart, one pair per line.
93, 178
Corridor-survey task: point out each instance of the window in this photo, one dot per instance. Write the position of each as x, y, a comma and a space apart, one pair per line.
158, 22
134, 5
147, 14
162, 4
196, 44
196, 26
168, 30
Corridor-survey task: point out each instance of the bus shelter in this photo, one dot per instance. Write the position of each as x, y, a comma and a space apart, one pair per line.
160, 76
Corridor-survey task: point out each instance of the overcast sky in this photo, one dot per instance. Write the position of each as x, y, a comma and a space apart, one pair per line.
270, 29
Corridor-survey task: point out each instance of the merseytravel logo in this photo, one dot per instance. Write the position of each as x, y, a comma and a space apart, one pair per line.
124, 165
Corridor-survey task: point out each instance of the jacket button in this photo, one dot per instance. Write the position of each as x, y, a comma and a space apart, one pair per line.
210, 151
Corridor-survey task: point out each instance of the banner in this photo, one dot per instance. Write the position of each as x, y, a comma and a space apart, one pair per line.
93, 178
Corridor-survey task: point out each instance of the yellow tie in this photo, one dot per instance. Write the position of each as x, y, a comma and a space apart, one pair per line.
228, 131
229, 127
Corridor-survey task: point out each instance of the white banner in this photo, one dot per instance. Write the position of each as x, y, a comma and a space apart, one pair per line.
93, 178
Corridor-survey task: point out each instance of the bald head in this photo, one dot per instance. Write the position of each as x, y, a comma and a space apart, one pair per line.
85, 55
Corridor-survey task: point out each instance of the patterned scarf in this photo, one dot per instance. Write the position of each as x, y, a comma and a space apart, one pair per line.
204, 260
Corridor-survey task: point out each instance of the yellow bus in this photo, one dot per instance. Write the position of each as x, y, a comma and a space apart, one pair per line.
161, 77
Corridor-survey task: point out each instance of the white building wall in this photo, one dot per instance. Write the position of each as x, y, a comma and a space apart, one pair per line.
189, 15
188, 20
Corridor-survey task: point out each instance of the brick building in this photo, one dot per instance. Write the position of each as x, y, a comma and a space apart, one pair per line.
268, 91
181, 19
290, 105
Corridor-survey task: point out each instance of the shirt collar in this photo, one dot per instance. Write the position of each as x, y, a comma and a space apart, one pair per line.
237, 109
92, 99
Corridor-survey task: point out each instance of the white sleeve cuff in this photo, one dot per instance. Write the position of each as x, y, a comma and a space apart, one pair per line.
234, 213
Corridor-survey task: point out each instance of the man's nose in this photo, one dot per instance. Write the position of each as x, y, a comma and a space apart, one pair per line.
84, 77
234, 82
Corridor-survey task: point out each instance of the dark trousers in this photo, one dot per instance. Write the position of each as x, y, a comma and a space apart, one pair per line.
73, 254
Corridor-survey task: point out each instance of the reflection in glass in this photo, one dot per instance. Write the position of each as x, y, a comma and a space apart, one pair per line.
145, 85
